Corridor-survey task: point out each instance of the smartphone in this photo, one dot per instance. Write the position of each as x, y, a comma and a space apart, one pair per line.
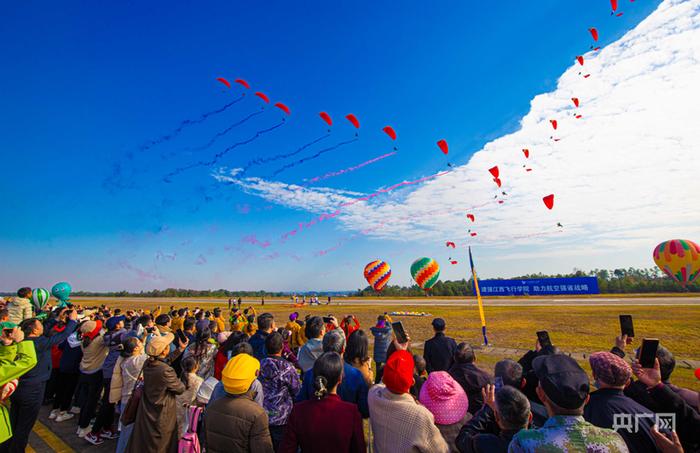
647, 353
626, 326
499, 383
543, 338
327, 319
399, 332
181, 335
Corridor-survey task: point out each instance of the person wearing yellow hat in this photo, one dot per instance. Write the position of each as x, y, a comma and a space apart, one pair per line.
155, 428
236, 422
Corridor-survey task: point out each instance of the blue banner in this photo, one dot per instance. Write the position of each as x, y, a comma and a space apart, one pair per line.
539, 287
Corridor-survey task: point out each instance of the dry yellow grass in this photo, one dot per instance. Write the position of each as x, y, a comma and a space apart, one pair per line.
582, 329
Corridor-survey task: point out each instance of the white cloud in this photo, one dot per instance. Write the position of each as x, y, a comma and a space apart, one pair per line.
624, 175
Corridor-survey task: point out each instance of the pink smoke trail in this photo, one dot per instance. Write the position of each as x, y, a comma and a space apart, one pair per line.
349, 169
335, 213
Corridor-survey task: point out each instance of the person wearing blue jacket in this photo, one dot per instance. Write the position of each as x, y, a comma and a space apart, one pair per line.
26, 401
382, 339
352, 389
102, 428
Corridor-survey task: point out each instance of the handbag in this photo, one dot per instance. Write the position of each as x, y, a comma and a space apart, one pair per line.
132, 406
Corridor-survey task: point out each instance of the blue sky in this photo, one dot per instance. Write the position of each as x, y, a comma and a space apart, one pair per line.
87, 83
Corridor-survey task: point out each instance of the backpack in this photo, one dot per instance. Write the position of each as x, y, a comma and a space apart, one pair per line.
189, 442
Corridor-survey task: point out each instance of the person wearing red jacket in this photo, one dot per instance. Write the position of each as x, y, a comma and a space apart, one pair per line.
326, 420
349, 324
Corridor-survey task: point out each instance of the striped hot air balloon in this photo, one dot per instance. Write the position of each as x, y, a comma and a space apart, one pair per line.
377, 274
426, 272
40, 297
679, 259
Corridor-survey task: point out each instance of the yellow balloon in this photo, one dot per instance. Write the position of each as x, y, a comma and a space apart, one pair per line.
679, 259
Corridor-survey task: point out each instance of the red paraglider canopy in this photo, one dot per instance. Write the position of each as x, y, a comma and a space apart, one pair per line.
224, 81
613, 5
388, 130
263, 96
243, 83
497, 181
575, 101
450, 244
442, 144
353, 119
549, 201
554, 124
326, 117
594, 33
526, 152
470, 217
494, 171
283, 107
580, 60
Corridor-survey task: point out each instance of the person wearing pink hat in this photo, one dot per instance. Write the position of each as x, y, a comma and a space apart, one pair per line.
448, 403
399, 423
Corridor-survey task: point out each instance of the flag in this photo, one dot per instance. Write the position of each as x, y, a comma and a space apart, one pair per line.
478, 298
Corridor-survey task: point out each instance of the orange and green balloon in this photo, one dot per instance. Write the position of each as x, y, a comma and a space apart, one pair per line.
426, 272
679, 259
377, 274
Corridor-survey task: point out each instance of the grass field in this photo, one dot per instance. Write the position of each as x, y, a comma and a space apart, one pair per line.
573, 329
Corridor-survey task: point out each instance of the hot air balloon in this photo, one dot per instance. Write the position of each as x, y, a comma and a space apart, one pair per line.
283, 107
388, 130
326, 117
263, 96
679, 259
377, 273
593, 33
224, 81
425, 271
442, 144
243, 83
549, 201
40, 297
353, 119
61, 291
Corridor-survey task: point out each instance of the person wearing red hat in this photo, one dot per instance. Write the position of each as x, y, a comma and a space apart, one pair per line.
399, 422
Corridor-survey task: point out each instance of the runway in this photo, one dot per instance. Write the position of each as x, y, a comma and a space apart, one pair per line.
655, 300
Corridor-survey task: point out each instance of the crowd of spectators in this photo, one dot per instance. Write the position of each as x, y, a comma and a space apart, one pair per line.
183, 379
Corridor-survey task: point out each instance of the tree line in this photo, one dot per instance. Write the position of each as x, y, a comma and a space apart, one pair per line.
615, 281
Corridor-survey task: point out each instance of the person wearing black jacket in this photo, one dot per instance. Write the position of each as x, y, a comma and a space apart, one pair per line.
490, 431
469, 376
27, 399
612, 374
668, 401
439, 350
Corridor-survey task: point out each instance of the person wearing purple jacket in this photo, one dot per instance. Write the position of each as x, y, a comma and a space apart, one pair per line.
102, 428
280, 383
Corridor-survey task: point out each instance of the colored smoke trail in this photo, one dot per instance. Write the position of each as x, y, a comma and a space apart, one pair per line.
314, 156
220, 154
335, 213
265, 160
349, 169
225, 131
185, 123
